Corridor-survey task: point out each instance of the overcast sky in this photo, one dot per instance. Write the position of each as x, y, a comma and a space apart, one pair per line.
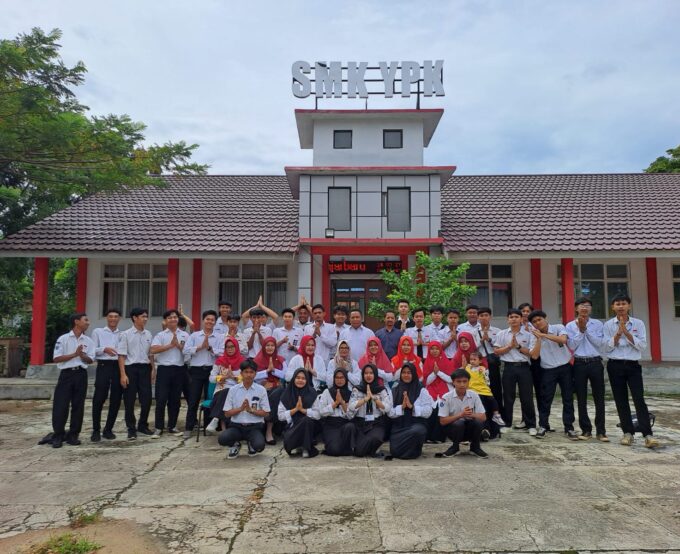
531, 87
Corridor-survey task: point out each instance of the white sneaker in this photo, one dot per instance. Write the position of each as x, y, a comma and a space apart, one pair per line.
296, 452
532, 431
498, 420
505, 430
305, 454
212, 426
157, 434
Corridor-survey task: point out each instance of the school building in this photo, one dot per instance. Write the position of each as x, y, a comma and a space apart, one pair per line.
368, 202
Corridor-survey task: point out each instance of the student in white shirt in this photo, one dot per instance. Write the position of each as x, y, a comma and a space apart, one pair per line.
625, 338
323, 333
297, 410
340, 317
265, 313
488, 336
449, 334
343, 360
404, 320
368, 405
233, 330
256, 332
271, 369
289, 336
420, 334
224, 309
356, 334
304, 313
225, 374
105, 341
310, 360
73, 352
333, 407
436, 328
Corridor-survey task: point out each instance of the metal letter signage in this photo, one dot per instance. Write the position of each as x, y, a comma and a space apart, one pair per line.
358, 79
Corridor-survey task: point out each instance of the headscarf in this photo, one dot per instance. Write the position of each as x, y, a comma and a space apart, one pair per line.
437, 388
381, 359
376, 387
458, 356
341, 362
291, 393
400, 359
302, 350
262, 360
225, 360
344, 391
412, 389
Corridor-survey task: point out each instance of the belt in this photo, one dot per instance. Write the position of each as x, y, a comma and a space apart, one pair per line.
625, 362
515, 364
587, 359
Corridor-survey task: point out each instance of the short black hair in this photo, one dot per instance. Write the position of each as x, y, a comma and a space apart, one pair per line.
224, 303
390, 312
475, 353
484, 310
460, 373
287, 311
318, 307
453, 311
621, 297
255, 312
136, 312
233, 317
182, 323
207, 313
525, 305
514, 311
537, 313
248, 363
75, 317
357, 310
168, 313
472, 307
436, 308
417, 310
404, 301
583, 300
113, 311
342, 309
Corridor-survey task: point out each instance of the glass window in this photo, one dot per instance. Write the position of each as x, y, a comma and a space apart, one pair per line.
676, 271
494, 292
342, 139
393, 138
399, 209
253, 271
230, 271
242, 285
128, 286
599, 282
676, 296
114, 271
339, 208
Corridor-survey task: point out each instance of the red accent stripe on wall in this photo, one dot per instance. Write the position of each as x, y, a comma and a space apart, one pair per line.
172, 300
81, 285
39, 320
536, 294
196, 298
653, 303
567, 274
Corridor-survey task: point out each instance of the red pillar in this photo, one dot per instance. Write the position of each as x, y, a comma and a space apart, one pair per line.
39, 320
196, 300
653, 303
326, 286
536, 299
81, 285
567, 274
172, 300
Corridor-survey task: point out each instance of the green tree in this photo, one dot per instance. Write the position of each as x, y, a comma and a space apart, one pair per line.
432, 281
666, 164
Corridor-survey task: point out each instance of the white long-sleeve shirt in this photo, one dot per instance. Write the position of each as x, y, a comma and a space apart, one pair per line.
204, 356
293, 336
284, 415
354, 411
319, 367
325, 340
104, 337
357, 339
262, 374
422, 407
324, 405
427, 335
354, 375
264, 333
588, 344
625, 350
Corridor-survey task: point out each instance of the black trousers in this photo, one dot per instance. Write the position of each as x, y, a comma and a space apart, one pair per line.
624, 375
107, 378
495, 381
236, 432
435, 431
518, 375
139, 384
406, 442
551, 377
169, 379
69, 394
369, 436
490, 406
592, 371
338, 436
465, 430
300, 434
198, 389
217, 405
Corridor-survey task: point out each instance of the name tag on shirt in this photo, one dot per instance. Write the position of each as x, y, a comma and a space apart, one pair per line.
369, 417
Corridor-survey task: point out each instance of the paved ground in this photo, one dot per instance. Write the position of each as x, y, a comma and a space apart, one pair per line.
530, 496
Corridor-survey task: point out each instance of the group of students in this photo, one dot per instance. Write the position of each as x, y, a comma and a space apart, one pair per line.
312, 381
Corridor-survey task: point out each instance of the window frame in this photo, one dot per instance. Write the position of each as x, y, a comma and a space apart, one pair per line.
265, 280
674, 280
401, 139
605, 280
387, 209
336, 133
125, 279
490, 280
330, 211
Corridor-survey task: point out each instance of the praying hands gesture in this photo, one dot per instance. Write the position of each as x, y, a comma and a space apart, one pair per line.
623, 331
270, 367
339, 401
245, 407
298, 407
435, 370
406, 403
308, 367
582, 323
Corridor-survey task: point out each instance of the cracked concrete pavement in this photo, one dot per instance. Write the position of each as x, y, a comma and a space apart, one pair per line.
530, 496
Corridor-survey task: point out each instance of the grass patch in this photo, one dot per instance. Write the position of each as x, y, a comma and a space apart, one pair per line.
68, 543
78, 517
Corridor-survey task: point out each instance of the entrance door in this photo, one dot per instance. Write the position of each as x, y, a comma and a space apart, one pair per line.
356, 294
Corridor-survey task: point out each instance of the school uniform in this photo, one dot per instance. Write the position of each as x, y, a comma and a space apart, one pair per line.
390, 340
134, 345
338, 430
353, 375
107, 378
370, 425
293, 336
357, 339
170, 371
485, 348
244, 425
517, 373
480, 383
325, 340
403, 324
425, 334
436, 331
265, 332
462, 429
625, 372
240, 339
409, 427
221, 327
300, 428
200, 365
71, 389
220, 392
445, 335
587, 347
319, 366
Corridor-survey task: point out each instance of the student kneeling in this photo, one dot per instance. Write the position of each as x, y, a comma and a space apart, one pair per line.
338, 430
368, 404
462, 416
246, 405
296, 409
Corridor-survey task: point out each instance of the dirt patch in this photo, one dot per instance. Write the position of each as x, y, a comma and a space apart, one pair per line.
24, 406
115, 536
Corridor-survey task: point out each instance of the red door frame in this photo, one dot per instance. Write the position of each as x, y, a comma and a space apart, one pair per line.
653, 307
567, 275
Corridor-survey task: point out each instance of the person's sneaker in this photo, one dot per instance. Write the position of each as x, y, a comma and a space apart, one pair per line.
187, 434
572, 435
520, 425
453, 450
252, 452
296, 452
73, 441
602, 437
479, 453
57, 442
498, 420
233, 451
108, 435
540, 433
96, 436
627, 439
174, 431
144, 431
651, 442
212, 426
532, 431
157, 434
585, 436
305, 454
132, 434
505, 429
485, 435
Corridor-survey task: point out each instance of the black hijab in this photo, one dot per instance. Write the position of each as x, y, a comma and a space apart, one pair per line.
376, 388
291, 393
344, 391
412, 389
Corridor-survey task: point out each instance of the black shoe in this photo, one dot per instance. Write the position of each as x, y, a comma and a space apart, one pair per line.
73, 441
485, 435
271, 442
378, 455
479, 453
96, 436
540, 433
572, 435
144, 431
453, 450
132, 434
251, 451
108, 435
47, 439
57, 442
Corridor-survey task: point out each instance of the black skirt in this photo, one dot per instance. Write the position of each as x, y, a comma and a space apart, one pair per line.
408, 438
300, 434
338, 436
369, 436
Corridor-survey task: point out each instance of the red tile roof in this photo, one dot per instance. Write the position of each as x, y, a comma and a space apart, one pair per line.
579, 212
216, 213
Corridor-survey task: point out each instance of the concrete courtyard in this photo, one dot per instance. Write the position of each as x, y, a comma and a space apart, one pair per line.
530, 496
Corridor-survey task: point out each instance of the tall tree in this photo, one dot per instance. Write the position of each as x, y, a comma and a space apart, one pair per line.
666, 164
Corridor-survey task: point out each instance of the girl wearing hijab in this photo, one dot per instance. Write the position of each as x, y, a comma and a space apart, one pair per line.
343, 360
369, 402
376, 355
333, 407
466, 345
271, 368
406, 352
437, 372
225, 374
310, 360
410, 412
297, 409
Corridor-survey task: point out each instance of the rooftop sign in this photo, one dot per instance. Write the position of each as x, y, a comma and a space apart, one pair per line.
358, 79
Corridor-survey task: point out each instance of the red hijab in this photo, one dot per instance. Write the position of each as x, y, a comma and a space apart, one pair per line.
262, 359
460, 352
235, 360
400, 358
381, 359
437, 388
302, 350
